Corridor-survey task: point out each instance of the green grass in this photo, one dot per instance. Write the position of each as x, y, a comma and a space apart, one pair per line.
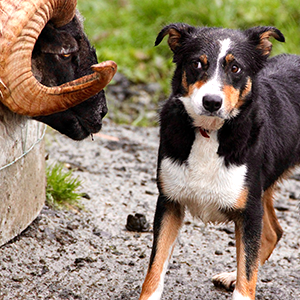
125, 30
62, 188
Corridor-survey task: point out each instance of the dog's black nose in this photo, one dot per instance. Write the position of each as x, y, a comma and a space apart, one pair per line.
212, 103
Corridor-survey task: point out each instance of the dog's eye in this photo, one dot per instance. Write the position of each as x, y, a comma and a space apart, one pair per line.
235, 69
197, 65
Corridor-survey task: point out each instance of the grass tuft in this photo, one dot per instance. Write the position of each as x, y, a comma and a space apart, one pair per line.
62, 188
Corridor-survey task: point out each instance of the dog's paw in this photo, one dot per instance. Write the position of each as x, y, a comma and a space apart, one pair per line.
225, 280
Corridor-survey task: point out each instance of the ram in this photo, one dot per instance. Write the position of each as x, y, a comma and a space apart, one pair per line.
48, 69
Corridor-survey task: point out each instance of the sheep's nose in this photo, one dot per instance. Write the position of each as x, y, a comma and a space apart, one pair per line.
212, 103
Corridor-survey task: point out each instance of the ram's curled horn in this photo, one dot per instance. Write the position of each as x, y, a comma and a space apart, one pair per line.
21, 22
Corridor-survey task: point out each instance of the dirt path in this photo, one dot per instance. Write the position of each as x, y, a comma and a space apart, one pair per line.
90, 255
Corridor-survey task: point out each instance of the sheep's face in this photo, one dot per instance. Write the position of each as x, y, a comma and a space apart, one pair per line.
61, 55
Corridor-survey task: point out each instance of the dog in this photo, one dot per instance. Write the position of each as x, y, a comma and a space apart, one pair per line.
229, 132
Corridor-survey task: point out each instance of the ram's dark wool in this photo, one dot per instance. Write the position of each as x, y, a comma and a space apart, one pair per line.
61, 55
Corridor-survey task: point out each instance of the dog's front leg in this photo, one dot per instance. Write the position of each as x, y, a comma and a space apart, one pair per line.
248, 241
167, 222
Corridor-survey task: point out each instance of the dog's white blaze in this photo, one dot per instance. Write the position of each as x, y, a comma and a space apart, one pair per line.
194, 102
238, 296
225, 45
203, 184
159, 290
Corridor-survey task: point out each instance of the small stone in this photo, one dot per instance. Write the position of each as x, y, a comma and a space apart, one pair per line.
137, 223
266, 280
86, 196
142, 255
281, 208
17, 279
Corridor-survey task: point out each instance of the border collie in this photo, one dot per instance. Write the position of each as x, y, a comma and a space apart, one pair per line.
228, 134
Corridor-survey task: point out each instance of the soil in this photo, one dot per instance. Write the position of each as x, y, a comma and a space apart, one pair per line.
89, 253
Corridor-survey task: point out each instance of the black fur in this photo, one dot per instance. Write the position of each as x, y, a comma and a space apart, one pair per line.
178, 132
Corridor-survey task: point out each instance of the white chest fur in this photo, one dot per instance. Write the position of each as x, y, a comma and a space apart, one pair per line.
204, 184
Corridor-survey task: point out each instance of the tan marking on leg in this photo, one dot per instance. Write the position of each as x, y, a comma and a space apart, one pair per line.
165, 245
242, 199
244, 286
272, 230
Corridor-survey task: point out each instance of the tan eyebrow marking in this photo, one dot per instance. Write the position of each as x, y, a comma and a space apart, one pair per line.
203, 59
229, 58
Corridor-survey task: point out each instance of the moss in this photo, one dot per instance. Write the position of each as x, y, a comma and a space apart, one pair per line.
62, 187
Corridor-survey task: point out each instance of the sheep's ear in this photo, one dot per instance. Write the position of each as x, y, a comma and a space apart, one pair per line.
177, 32
260, 35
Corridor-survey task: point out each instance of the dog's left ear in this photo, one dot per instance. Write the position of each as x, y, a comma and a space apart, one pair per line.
177, 32
260, 37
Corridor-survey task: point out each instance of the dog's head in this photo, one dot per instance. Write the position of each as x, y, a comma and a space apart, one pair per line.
215, 68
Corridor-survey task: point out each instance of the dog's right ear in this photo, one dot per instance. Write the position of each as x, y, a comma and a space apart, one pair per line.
177, 32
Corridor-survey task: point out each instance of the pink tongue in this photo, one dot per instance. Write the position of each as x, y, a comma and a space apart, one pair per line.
203, 132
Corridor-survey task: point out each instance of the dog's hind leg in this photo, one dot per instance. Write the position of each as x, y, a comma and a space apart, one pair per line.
167, 222
272, 230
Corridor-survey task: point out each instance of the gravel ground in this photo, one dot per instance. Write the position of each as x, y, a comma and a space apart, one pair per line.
89, 254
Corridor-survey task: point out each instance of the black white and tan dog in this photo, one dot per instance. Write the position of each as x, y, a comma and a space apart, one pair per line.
228, 134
